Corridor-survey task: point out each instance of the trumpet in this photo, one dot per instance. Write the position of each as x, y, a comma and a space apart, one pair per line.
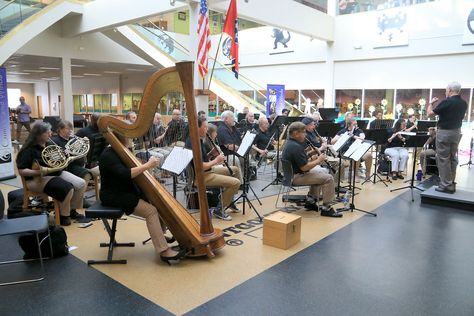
231, 173
57, 158
319, 153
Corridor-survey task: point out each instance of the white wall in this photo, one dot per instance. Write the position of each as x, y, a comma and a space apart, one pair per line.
41, 89
28, 91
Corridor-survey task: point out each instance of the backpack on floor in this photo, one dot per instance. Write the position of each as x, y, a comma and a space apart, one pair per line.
383, 166
58, 240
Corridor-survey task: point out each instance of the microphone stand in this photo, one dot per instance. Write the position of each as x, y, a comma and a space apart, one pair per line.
469, 163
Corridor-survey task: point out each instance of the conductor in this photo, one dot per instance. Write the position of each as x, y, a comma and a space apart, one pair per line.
450, 112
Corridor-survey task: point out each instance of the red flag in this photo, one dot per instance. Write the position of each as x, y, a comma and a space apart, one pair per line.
231, 28
204, 39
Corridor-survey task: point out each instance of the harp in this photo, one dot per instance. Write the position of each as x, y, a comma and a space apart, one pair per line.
198, 238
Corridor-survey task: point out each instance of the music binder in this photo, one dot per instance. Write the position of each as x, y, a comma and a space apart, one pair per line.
246, 143
343, 139
178, 159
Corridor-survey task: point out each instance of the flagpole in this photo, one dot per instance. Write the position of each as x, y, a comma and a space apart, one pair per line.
215, 61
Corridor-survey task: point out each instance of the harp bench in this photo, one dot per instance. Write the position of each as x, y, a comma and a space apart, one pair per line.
97, 210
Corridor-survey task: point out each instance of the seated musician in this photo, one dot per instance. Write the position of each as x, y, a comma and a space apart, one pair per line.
76, 167
229, 139
429, 149
249, 123
175, 133
356, 133
261, 143
131, 117
347, 116
398, 154
216, 175
378, 115
202, 113
65, 187
412, 124
154, 139
118, 190
90, 130
285, 112
305, 171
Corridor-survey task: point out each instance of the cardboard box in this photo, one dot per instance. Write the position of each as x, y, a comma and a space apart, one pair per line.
281, 230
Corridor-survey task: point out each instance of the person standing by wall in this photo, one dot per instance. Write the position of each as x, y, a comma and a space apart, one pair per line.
450, 112
23, 118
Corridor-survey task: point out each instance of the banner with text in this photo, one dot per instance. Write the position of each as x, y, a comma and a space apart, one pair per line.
275, 99
7, 170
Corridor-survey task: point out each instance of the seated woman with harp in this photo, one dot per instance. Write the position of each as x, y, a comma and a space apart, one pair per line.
65, 187
119, 190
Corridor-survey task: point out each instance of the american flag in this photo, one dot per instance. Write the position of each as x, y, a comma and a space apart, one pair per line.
204, 39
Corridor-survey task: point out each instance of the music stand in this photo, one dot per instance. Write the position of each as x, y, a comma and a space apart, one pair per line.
355, 153
362, 124
329, 114
244, 152
414, 141
380, 137
422, 126
276, 127
341, 142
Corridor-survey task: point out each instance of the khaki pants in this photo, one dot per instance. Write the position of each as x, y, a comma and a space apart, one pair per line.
315, 178
18, 128
73, 199
219, 177
155, 229
424, 155
447, 142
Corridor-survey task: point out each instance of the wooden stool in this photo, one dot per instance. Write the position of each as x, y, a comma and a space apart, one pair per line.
26, 199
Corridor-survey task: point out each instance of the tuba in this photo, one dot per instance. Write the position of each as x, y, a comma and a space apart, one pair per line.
57, 158
200, 239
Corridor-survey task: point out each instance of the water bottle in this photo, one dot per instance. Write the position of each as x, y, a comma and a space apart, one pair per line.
419, 175
346, 199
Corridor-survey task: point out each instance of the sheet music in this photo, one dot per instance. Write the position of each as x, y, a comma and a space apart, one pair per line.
353, 148
246, 143
361, 150
341, 141
177, 160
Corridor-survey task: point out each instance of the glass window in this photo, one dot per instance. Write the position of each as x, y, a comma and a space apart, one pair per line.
320, 5
354, 6
412, 101
212, 109
315, 95
465, 94
113, 103
346, 100
374, 101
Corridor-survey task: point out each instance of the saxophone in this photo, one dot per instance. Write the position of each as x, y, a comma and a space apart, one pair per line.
57, 158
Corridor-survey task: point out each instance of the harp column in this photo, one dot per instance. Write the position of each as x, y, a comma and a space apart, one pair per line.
200, 86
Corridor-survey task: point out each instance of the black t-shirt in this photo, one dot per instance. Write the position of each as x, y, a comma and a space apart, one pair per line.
204, 155
87, 131
410, 124
396, 141
262, 139
117, 188
28, 155
294, 152
227, 136
451, 112
176, 131
356, 132
313, 138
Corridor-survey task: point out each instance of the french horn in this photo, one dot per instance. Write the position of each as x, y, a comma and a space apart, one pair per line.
57, 158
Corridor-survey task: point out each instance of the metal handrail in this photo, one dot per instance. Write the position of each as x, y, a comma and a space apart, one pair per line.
7, 4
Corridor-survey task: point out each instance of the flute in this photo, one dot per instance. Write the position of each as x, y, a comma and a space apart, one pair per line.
317, 150
266, 147
220, 153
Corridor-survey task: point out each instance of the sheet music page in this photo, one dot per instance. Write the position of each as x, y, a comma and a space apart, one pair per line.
341, 141
360, 151
177, 160
353, 147
246, 143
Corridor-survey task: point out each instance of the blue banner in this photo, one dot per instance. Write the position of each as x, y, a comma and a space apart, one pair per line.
275, 99
7, 170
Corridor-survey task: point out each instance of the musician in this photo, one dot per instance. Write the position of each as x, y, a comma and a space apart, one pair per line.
216, 175
202, 113
412, 125
76, 167
398, 154
131, 117
451, 112
285, 112
429, 149
90, 130
304, 168
229, 138
156, 131
356, 133
311, 133
176, 131
249, 124
67, 188
262, 144
378, 115
347, 117
119, 190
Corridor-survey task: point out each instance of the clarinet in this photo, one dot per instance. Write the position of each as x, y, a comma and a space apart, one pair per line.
317, 150
220, 152
266, 147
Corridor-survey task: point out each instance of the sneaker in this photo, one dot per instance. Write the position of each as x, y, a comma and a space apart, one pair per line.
310, 204
395, 177
329, 212
400, 177
217, 212
75, 215
64, 220
234, 208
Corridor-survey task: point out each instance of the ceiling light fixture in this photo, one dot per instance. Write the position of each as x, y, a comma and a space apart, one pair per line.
18, 73
77, 65
89, 74
49, 68
133, 69
33, 70
111, 72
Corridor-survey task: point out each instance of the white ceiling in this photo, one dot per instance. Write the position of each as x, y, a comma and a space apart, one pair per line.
28, 68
